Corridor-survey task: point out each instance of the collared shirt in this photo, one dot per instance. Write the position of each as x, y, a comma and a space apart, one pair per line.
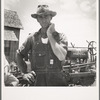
29, 44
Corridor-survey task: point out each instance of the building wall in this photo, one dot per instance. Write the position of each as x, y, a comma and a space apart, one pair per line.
13, 44
16, 30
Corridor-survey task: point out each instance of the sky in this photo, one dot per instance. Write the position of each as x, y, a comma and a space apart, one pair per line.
75, 18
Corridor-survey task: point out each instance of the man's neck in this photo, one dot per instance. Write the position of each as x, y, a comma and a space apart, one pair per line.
44, 32
43, 29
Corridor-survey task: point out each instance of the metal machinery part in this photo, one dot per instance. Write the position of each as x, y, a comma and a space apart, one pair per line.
76, 77
92, 50
77, 69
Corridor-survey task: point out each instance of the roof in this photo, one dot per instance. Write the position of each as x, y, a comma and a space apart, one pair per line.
10, 35
11, 19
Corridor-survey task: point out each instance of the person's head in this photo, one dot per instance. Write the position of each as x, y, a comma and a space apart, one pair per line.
44, 20
44, 15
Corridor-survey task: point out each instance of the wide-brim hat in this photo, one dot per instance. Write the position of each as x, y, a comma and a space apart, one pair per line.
43, 10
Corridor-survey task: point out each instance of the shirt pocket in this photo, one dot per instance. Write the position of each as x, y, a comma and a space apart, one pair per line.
40, 59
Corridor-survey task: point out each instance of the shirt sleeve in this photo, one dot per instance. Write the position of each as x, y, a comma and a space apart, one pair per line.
63, 41
26, 46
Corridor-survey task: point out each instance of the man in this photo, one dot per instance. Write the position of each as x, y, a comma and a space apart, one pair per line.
48, 50
9, 79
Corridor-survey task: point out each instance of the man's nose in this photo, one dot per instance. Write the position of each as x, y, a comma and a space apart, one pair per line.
43, 20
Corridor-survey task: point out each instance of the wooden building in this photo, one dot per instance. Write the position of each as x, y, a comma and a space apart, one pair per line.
12, 26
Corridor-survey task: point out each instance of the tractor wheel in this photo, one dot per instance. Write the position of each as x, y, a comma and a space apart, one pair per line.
75, 81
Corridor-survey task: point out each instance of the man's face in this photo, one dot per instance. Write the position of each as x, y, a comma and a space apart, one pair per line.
44, 20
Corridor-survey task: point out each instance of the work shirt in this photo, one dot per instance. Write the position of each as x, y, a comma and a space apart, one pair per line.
42, 57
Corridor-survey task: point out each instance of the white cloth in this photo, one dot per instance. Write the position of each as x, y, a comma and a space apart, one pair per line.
5, 62
8, 77
44, 40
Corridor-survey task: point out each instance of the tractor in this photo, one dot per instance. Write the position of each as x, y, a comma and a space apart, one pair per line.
80, 65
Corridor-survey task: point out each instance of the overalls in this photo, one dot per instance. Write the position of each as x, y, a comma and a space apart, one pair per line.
46, 65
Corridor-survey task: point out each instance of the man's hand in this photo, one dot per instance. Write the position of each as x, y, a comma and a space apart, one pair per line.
30, 77
51, 29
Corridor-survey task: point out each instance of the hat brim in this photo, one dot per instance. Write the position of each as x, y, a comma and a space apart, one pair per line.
45, 13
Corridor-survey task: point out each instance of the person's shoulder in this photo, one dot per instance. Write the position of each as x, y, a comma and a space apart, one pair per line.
59, 34
62, 35
32, 35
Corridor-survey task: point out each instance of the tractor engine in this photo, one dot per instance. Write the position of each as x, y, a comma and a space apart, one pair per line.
77, 55
78, 68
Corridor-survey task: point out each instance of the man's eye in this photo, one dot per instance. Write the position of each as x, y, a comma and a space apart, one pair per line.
39, 6
40, 17
46, 16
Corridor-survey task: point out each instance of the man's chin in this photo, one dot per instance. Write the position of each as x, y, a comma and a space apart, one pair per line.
45, 26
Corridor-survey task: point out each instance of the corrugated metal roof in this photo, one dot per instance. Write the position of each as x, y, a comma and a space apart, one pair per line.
11, 19
10, 35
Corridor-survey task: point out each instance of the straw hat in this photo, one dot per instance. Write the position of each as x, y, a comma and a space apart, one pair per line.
43, 10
